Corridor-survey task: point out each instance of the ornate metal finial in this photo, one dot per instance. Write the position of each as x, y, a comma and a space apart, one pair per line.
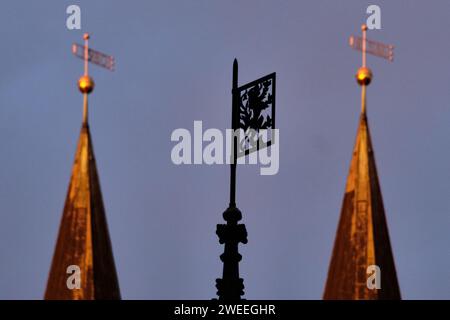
364, 75
86, 83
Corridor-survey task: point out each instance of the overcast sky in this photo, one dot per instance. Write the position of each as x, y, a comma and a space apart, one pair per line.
174, 65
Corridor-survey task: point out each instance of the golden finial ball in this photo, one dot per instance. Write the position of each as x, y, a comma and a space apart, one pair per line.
364, 76
86, 36
86, 84
364, 27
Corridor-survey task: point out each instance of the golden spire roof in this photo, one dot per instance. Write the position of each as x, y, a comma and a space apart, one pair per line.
362, 238
83, 239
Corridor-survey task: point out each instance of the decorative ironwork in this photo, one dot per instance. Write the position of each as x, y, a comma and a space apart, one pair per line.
375, 48
231, 286
94, 56
253, 109
256, 112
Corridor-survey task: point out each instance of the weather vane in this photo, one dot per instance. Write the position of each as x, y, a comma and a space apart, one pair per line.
253, 110
364, 74
86, 83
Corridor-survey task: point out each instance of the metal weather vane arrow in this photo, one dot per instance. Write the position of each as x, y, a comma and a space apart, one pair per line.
375, 48
91, 55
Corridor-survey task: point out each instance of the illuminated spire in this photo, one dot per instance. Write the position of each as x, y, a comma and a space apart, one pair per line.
362, 237
83, 240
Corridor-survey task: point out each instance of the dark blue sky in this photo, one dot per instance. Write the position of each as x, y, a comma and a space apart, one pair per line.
174, 62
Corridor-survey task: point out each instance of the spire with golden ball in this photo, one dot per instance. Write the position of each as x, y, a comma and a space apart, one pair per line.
83, 264
362, 240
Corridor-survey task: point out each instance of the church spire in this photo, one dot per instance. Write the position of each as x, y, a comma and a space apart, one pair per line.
362, 244
83, 248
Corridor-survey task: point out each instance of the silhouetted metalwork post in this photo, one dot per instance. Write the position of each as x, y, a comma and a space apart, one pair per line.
231, 287
253, 109
234, 126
